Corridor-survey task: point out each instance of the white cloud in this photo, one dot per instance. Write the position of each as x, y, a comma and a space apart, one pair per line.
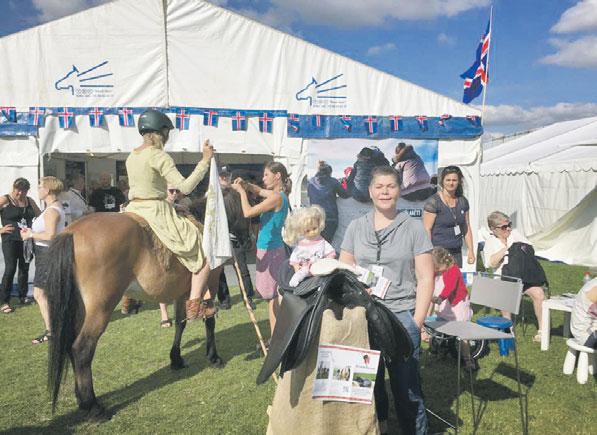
506, 115
52, 9
581, 53
580, 17
443, 39
345, 14
380, 49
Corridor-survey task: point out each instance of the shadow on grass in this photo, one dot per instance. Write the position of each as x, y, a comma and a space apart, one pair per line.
231, 342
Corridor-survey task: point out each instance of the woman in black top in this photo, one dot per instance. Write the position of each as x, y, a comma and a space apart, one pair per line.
446, 216
17, 211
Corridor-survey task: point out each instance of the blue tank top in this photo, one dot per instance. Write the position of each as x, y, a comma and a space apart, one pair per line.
270, 229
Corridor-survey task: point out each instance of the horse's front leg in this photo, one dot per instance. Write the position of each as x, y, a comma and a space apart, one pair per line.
176, 361
210, 319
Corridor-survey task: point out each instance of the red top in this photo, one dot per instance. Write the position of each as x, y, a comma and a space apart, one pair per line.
454, 288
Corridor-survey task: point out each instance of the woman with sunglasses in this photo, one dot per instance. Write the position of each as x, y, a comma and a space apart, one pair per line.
495, 255
446, 216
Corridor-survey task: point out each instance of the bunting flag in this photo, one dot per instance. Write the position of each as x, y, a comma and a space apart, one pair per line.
10, 113
443, 119
422, 120
239, 122
371, 124
266, 123
96, 117
66, 117
294, 122
395, 122
473, 119
210, 118
183, 119
125, 117
346, 122
36, 116
316, 121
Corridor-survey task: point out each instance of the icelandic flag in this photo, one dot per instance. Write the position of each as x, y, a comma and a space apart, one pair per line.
346, 122
66, 117
96, 117
183, 119
266, 123
10, 113
371, 124
316, 121
443, 119
473, 119
210, 118
36, 116
475, 78
239, 121
395, 122
294, 122
422, 120
125, 117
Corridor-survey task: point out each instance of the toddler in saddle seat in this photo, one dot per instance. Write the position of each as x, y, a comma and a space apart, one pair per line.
302, 230
451, 296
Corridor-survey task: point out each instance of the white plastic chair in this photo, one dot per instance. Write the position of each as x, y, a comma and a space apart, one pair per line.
586, 361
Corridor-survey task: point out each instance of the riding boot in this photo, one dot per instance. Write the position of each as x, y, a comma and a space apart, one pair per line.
208, 309
193, 308
126, 305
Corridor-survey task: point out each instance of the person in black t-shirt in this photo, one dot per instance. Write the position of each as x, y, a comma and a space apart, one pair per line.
106, 198
17, 211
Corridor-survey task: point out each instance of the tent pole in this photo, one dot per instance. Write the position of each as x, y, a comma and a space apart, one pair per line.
487, 72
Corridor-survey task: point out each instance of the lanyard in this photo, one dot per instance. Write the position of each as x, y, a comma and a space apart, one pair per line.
452, 212
380, 243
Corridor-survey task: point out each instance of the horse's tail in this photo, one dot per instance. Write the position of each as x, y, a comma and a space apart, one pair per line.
61, 290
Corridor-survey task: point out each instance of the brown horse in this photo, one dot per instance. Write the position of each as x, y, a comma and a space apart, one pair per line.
93, 263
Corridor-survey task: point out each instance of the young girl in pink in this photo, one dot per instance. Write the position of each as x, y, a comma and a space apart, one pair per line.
452, 297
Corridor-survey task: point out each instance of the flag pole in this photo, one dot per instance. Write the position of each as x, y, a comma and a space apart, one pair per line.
487, 70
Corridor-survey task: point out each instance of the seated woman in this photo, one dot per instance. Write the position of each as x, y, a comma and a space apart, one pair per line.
150, 170
495, 255
583, 323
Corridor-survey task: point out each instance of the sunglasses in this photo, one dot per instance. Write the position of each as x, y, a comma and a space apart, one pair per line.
505, 227
173, 190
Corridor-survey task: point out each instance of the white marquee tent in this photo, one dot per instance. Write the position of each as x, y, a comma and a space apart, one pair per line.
540, 177
176, 53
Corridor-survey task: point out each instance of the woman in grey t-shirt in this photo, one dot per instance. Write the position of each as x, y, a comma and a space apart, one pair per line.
397, 246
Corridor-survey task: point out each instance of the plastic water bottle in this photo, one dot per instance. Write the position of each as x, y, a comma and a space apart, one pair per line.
586, 277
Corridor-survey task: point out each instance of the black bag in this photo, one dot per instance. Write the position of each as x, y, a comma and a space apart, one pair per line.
523, 264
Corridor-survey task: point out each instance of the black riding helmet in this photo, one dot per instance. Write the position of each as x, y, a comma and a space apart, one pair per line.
153, 120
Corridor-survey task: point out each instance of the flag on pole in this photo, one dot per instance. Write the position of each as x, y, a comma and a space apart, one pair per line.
216, 237
476, 77
36, 116
96, 117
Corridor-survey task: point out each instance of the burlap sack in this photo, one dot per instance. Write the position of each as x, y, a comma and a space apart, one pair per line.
293, 411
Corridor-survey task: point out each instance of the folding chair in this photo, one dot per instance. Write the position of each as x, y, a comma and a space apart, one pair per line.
493, 291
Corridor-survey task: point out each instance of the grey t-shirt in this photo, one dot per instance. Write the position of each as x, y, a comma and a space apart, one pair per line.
398, 245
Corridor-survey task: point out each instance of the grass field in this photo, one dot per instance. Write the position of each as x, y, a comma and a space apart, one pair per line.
133, 379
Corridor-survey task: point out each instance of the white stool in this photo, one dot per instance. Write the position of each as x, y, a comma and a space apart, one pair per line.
586, 361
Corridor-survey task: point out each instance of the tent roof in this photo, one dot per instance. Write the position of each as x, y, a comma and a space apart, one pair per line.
563, 146
193, 53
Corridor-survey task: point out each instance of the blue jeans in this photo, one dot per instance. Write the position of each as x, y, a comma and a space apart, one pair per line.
405, 381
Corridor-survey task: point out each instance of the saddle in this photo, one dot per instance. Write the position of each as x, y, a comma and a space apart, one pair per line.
300, 313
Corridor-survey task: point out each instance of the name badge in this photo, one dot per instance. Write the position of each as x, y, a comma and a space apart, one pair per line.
457, 230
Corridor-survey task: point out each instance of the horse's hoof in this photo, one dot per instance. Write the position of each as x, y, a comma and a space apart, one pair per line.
217, 362
178, 365
98, 414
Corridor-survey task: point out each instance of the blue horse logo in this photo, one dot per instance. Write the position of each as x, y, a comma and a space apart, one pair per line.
75, 79
313, 91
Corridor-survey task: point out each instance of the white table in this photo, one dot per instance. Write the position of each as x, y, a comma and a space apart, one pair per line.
556, 303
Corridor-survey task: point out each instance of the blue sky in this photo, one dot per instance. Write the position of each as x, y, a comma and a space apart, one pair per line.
543, 59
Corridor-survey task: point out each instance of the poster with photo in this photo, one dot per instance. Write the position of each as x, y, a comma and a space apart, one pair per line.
352, 160
345, 373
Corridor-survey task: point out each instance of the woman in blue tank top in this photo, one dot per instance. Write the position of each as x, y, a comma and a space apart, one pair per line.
272, 212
